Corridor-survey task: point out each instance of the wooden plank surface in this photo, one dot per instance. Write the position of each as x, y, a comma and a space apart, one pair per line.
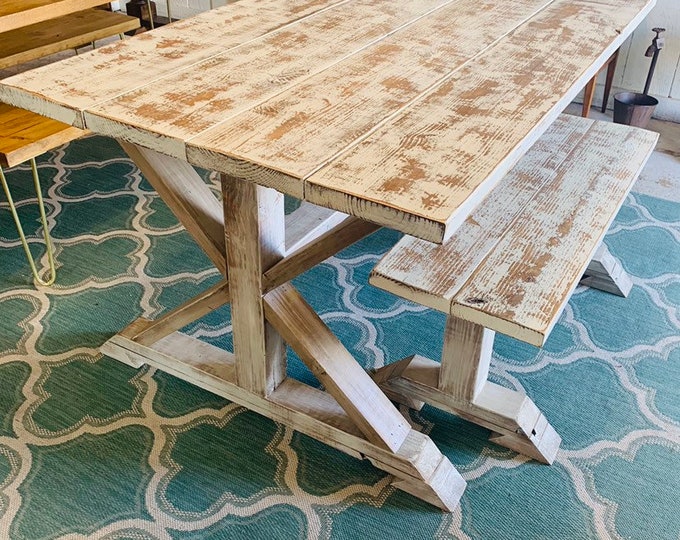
514, 263
60, 34
97, 76
424, 172
418, 160
25, 135
18, 13
166, 114
301, 129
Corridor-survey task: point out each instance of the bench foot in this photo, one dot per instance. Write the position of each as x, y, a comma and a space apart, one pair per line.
606, 274
542, 444
459, 385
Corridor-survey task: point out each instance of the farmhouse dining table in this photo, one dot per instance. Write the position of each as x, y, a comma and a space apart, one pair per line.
373, 113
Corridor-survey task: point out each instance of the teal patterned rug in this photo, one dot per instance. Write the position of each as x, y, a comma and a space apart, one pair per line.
91, 448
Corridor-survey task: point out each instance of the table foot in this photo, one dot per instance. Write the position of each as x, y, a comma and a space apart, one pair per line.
417, 464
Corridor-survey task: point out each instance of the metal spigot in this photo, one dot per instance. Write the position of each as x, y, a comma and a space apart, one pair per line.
653, 52
657, 43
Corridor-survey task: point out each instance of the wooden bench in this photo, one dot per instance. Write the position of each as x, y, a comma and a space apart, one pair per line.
511, 267
60, 34
24, 136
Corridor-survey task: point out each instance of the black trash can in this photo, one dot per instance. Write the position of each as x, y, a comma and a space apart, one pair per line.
634, 109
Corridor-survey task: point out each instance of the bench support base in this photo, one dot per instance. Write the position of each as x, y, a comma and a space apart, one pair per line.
460, 385
606, 274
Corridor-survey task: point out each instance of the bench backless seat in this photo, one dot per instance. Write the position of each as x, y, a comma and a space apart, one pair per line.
61, 34
511, 267
24, 136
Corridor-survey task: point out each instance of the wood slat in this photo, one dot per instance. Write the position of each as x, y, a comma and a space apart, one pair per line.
25, 135
335, 368
166, 114
61, 34
97, 76
527, 262
17, 13
426, 170
301, 129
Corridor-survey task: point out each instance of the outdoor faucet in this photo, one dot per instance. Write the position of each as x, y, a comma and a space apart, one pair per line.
657, 43
653, 52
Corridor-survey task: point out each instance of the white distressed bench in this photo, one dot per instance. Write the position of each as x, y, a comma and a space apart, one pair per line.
510, 268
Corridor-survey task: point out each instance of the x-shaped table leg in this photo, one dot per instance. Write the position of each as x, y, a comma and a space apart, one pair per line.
353, 414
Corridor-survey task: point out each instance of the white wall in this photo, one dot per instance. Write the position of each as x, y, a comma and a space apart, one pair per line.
633, 66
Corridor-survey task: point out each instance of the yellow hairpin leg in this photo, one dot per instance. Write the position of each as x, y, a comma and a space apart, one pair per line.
43, 220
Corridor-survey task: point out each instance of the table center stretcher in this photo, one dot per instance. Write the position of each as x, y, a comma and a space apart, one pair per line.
376, 113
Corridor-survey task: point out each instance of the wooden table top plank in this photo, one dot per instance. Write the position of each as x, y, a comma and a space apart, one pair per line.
424, 172
84, 81
420, 171
182, 105
301, 129
17, 13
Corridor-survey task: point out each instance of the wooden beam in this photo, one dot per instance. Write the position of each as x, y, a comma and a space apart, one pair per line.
254, 226
336, 368
188, 196
418, 466
195, 308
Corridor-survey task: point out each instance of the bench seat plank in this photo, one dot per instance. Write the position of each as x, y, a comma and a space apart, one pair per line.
61, 34
514, 262
17, 13
25, 135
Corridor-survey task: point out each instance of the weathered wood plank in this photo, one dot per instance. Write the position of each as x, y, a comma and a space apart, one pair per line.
430, 274
307, 222
254, 225
303, 408
515, 261
514, 418
97, 76
466, 357
533, 270
425, 171
167, 113
188, 196
301, 129
335, 367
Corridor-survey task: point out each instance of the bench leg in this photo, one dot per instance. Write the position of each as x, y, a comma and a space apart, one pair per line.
43, 220
606, 274
460, 385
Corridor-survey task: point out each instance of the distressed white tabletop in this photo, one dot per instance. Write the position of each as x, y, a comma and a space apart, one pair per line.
402, 113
